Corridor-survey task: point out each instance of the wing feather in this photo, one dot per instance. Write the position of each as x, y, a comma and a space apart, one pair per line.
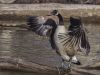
40, 25
76, 37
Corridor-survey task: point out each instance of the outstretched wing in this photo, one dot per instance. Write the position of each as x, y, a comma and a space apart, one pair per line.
76, 37
79, 35
40, 25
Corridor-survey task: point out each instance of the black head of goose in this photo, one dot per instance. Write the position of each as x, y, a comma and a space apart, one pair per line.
55, 12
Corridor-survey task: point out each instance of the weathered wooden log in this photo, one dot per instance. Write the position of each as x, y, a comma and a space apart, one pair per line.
16, 64
21, 65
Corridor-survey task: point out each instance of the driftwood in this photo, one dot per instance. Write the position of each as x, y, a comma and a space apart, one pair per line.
15, 64
21, 65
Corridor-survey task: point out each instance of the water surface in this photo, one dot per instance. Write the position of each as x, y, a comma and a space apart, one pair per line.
21, 43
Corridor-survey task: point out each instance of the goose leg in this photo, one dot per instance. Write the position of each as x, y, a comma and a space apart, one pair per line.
66, 65
70, 62
64, 68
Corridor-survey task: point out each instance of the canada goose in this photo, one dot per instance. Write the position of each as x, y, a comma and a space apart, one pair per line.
64, 42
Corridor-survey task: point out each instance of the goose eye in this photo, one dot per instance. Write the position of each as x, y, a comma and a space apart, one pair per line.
54, 12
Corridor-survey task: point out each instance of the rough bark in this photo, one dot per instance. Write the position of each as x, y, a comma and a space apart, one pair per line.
21, 65
15, 64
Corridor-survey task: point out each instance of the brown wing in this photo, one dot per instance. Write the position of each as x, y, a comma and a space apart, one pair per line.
41, 25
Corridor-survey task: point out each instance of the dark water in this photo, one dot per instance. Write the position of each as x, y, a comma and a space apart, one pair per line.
24, 44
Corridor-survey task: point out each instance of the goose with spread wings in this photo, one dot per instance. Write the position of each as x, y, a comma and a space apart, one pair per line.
65, 42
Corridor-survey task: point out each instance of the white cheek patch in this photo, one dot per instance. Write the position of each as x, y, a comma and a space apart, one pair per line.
57, 13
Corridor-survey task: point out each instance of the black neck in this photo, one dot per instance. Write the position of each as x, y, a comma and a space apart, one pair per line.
61, 22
